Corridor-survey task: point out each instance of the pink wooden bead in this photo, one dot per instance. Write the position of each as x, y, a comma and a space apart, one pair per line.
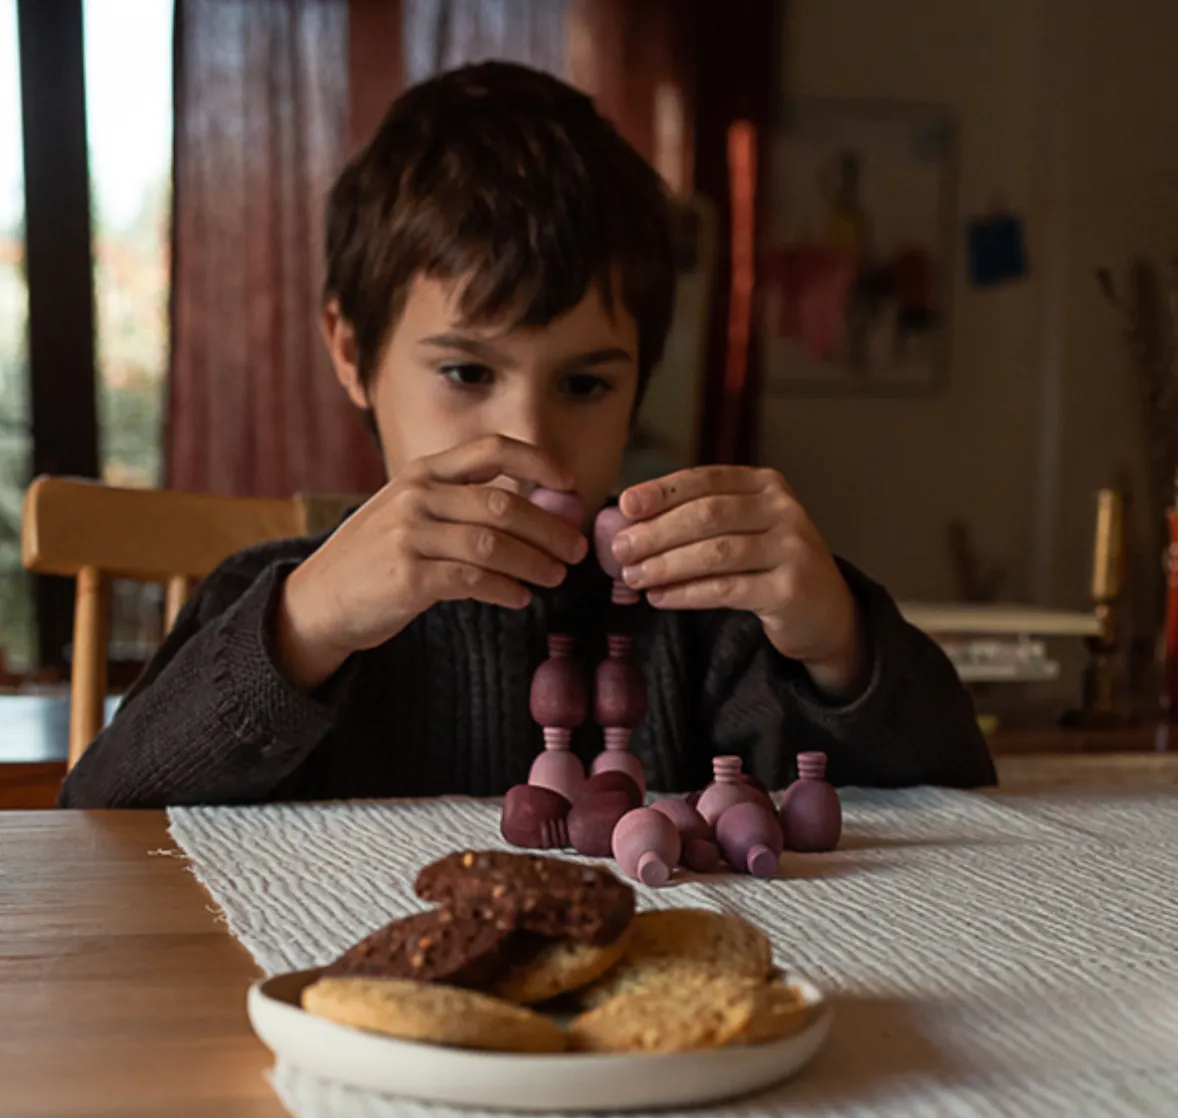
727, 789
750, 838
559, 697
613, 780
592, 820
560, 771
568, 506
647, 846
610, 521
811, 813
621, 760
535, 818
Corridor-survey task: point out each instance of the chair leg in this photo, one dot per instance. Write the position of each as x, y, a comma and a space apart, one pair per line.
88, 673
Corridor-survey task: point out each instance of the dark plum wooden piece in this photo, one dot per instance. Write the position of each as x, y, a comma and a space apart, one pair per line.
614, 759
535, 818
613, 780
619, 690
592, 820
700, 852
559, 697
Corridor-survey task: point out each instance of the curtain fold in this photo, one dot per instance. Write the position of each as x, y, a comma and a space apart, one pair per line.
262, 110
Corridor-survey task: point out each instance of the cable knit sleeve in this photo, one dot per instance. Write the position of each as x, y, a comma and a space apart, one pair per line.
913, 721
212, 719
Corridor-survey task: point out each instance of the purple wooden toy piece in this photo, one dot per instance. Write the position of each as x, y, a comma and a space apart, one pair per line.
647, 846
610, 521
535, 818
559, 702
811, 814
700, 853
619, 701
613, 780
727, 789
568, 506
592, 820
750, 838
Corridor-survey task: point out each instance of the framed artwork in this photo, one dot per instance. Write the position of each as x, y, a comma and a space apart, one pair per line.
857, 249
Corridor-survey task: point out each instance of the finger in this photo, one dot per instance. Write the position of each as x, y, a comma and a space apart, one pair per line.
722, 555
448, 581
489, 549
487, 458
649, 498
510, 513
701, 519
752, 592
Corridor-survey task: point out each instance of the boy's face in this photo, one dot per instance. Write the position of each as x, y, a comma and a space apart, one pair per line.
567, 387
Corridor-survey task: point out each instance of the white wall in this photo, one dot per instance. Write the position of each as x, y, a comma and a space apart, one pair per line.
1068, 112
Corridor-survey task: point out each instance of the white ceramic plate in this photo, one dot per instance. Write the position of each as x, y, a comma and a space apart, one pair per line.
505, 1081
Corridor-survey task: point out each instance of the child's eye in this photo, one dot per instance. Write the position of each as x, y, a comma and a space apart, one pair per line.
467, 375
585, 386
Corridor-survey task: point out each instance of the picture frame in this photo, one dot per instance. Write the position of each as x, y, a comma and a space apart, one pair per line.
857, 250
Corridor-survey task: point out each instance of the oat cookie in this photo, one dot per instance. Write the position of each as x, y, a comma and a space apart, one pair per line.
781, 1010
666, 948
544, 969
435, 946
431, 1013
534, 893
702, 1011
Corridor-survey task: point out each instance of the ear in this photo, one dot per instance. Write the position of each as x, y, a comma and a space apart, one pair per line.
341, 344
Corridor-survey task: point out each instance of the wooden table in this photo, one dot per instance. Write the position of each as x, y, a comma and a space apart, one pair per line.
120, 995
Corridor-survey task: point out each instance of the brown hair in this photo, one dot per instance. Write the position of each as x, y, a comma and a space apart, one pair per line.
509, 179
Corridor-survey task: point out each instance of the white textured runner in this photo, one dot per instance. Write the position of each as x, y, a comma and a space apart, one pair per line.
985, 957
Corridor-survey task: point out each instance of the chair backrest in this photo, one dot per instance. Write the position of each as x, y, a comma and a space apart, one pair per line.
95, 533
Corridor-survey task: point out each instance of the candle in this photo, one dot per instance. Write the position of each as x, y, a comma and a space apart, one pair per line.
1108, 559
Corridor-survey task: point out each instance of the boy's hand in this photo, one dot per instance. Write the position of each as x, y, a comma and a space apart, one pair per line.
436, 532
735, 537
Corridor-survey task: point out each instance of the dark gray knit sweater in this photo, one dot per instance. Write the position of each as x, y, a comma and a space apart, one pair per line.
443, 706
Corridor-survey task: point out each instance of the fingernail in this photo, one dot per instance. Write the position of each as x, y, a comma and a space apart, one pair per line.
632, 576
656, 596
623, 547
580, 549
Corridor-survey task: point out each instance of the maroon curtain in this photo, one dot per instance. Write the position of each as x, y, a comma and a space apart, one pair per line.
261, 128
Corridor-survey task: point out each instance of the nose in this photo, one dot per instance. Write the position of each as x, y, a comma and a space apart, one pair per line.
525, 417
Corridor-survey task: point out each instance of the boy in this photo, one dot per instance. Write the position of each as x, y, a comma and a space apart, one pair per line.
499, 286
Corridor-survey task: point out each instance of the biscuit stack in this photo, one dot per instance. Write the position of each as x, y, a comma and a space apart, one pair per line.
509, 932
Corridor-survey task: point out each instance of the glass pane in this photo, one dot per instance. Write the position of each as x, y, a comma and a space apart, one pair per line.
17, 632
129, 127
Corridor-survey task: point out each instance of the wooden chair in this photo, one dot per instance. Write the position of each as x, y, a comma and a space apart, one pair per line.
95, 533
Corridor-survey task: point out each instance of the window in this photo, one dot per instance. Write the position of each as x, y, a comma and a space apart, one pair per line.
17, 632
129, 134
129, 147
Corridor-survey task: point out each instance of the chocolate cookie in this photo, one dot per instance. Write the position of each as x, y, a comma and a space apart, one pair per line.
531, 892
445, 947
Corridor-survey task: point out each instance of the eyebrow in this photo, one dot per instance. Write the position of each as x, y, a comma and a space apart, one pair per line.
482, 351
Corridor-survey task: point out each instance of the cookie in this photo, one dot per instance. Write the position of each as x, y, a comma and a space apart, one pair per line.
534, 893
668, 947
436, 946
781, 1010
702, 1011
434, 1014
546, 968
